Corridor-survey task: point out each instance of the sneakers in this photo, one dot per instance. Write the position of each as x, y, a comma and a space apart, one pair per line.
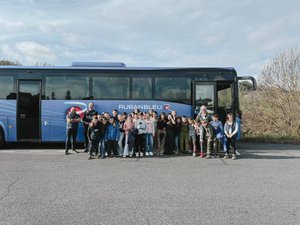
90, 157
226, 156
74, 150
137, 154
233, 157
202, 155
194, 154
146, 154
208, 157
141, 154
151, 153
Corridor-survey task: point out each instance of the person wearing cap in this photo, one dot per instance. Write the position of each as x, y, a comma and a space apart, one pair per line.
87, 119
205, 137
219, 136
231, 130
73, 120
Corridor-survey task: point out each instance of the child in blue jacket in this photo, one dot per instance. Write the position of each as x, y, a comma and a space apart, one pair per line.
112, 135
219, 136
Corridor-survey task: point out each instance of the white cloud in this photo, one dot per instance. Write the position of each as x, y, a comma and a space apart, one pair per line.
242, 34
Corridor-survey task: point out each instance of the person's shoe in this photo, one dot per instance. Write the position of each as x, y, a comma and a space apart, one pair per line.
124, 156
137, 154
90, 157
202, 155
85, 150
150, 153
102, 157
106, 154
146, 154
74, 150
130, 155
233, 157
98, 156
208, 157
194, 154
141, 154
226, 156
67, 153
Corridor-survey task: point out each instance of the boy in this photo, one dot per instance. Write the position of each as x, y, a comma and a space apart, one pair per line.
206, 137
219, 137
93, 134
112, 136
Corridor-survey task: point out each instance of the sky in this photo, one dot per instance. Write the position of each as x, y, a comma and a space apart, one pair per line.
244, 34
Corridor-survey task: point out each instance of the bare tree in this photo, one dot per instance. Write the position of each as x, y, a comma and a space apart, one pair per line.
9, 63
275, 108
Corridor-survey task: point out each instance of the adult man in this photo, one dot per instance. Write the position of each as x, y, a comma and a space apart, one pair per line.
73, 120
87, 118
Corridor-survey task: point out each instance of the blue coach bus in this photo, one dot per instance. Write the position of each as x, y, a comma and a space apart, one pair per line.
34, 101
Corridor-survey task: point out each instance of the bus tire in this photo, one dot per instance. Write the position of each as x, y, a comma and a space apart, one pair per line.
2, 138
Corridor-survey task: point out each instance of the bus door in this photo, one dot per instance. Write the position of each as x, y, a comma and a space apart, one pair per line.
204, 93
29, 110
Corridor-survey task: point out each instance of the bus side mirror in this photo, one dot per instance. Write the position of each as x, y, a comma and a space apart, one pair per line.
247, 83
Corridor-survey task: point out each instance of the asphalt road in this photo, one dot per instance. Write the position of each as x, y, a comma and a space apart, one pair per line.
43, 186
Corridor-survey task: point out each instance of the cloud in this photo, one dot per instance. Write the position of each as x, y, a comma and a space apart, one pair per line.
242, 34
28, 52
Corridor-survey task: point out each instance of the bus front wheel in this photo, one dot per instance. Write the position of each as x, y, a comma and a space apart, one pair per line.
2, 138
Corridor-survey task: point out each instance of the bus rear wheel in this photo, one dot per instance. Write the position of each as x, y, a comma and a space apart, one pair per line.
2, 138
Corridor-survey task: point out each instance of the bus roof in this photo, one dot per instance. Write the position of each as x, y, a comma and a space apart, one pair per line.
113, 67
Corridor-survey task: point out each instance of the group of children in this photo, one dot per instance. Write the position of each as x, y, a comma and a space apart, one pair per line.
146, 134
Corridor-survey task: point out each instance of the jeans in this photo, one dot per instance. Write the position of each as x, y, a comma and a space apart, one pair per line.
176, 143
101, 148
231, 143
149, 142
120, 143
161, 138
71, 133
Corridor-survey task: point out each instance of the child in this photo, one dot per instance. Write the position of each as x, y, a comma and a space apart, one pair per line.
218, 135
150, 132
140, 125
206, 137
103, 126
112, 136
192, 135
161, 133
129, 136
231, 130
177, 127
93, 134
184, 135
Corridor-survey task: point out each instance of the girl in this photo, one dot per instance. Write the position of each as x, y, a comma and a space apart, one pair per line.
192, 135
230, 130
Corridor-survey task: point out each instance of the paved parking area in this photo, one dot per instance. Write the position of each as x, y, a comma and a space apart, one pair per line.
40, 185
